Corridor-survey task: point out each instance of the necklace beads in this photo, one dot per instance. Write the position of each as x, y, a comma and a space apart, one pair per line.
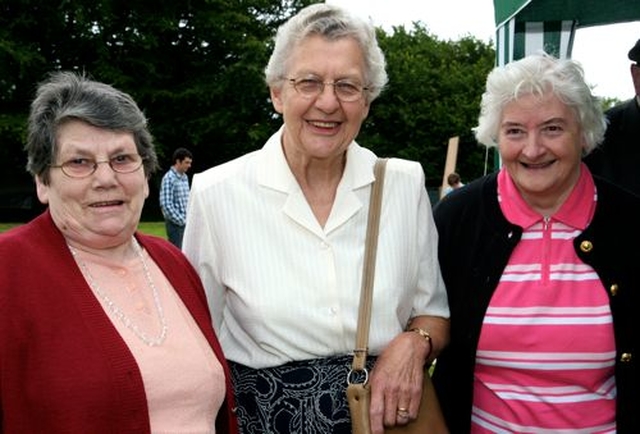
116, 311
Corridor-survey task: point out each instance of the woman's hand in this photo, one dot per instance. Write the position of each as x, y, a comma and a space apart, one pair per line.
396, 382
396, 379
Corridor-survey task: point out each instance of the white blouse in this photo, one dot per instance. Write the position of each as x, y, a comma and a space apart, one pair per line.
281, 287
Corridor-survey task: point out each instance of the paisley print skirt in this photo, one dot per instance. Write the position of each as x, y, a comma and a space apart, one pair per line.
302, 397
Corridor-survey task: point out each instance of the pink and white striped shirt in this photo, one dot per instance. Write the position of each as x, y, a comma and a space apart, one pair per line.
545, 359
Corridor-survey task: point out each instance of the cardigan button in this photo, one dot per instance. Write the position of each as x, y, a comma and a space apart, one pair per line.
614, 289
586, 246
625, 358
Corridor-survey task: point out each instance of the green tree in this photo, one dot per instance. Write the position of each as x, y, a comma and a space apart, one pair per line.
433, 94
195, 68
608, 103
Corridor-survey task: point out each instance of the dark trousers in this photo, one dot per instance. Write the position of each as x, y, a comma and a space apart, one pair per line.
174, 233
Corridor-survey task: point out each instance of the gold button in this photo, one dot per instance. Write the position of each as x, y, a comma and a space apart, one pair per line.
614, 289
626, 357
586, 246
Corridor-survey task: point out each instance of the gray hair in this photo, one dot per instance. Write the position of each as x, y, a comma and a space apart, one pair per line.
332, 23
537, 74
65, 96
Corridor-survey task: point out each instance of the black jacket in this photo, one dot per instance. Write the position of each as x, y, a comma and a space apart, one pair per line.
618, 157
475, 243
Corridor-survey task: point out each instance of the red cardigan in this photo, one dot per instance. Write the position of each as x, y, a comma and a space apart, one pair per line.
63, 366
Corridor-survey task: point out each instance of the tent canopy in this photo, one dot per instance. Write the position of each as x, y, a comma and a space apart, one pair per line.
584, 12
526, 26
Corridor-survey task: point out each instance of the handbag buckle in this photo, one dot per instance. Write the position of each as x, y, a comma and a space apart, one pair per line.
358, 374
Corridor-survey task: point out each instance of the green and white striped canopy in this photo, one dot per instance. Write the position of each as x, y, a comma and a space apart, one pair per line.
526, 26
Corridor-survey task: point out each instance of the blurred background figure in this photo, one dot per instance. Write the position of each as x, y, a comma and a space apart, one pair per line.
454, 181
618, 158
174, 195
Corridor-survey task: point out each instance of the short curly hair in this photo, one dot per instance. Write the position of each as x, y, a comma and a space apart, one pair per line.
538, 74
332, 23
67, 95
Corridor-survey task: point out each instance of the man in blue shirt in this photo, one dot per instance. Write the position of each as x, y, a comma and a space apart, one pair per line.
174, 195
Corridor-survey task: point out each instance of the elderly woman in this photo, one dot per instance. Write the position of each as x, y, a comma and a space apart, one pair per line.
539, 266
103, 329
278, 238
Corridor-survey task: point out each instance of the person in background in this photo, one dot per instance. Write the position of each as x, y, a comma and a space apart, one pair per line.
102, 329
538, 262
454, 181
618, 158
278, 238
174, 195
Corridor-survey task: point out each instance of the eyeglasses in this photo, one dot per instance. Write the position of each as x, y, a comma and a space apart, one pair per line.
83, 167
345, 90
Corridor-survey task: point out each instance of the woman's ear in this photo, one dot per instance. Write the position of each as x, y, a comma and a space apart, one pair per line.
42, 190
276, 98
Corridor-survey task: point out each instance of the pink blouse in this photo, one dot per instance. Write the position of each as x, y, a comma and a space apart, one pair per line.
183, 380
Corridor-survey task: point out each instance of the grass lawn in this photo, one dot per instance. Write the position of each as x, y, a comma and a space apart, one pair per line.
151, 228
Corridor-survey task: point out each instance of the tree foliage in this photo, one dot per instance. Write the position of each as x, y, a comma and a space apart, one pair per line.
196, 68
433, 94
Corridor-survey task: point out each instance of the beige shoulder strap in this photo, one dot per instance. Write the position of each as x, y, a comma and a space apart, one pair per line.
368, 271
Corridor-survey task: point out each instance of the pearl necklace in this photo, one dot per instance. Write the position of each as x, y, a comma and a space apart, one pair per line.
113, 308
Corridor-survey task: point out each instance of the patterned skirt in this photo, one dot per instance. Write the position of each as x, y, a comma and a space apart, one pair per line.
303, 397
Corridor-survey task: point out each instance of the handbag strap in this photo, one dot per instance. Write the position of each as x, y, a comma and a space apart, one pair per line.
368, 271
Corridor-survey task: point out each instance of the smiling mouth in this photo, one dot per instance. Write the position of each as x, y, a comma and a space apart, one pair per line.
538, 165
106, 203
324, 124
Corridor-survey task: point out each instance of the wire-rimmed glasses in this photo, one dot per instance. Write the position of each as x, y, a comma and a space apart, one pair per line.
81, 167
345, 90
